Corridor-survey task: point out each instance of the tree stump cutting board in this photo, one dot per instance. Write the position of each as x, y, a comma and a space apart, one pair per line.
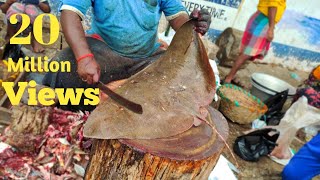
189, 155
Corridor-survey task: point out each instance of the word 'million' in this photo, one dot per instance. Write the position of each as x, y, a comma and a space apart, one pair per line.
32, 64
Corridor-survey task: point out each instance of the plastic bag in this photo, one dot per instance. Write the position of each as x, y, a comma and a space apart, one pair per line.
252, 146
298, 116
275, 105
13, 51
276, 102
274, 119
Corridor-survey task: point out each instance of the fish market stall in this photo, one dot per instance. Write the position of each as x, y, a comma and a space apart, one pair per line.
177, 136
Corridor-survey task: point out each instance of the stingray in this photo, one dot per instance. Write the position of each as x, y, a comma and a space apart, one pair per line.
174, 91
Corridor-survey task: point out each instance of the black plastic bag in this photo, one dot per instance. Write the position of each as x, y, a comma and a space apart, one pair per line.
275, 105
13, 51
276, 102
274, 120
252, 146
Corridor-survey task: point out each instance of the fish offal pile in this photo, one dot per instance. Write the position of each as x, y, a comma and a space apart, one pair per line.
44, 143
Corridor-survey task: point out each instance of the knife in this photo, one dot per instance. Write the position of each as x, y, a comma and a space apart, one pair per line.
134, 107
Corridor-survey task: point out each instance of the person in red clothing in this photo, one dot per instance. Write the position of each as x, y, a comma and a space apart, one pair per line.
258, 34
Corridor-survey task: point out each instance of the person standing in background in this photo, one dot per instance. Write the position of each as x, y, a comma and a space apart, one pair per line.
32, 8
258, 34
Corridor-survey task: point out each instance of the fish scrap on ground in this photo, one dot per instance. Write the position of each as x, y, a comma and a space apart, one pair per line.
59, 152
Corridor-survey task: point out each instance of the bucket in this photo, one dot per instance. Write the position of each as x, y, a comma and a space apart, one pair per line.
265, 86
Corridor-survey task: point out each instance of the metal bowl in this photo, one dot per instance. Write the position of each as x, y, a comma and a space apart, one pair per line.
265, 86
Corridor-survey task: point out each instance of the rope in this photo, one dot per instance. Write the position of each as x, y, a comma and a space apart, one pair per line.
221, 137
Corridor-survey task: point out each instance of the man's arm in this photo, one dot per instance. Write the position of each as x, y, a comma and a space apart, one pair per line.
88, 69
272, 11
74, 33
177, 22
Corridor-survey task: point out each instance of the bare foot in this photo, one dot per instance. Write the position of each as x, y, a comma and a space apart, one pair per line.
36, 47
281, 152
228, 79
234, 81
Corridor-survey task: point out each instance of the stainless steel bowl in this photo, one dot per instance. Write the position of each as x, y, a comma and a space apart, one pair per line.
265, 86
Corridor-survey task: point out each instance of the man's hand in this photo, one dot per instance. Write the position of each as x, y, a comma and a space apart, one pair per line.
270, 34
203, 18
11, 1
89, 70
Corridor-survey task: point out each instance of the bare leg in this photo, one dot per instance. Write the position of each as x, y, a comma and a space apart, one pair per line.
240, 60
36, 47
281, 151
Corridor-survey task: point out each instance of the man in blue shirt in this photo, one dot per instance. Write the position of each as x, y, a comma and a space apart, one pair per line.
128, 28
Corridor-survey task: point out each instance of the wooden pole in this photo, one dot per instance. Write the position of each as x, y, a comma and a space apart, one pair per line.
238, 12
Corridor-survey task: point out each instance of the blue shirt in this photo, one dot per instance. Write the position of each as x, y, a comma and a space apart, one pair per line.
129, 27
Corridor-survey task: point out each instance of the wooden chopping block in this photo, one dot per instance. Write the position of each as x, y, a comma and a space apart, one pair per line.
189, 155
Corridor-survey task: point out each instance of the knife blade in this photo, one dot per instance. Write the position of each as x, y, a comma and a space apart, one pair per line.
134, 107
